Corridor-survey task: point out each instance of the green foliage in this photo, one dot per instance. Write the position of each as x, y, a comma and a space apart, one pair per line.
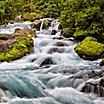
21, 47
86, 16
89, 48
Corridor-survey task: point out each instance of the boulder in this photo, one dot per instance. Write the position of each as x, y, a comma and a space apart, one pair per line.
95, 86
25, 32
6, 36
56, 49
46, 23
60, 44
37, 24
67, 32
6, 44
18, 19
102, 62
14, 46
47, 61
90, 49
60, 26
53, 32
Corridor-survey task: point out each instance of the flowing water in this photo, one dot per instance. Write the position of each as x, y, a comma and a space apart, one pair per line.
52, 74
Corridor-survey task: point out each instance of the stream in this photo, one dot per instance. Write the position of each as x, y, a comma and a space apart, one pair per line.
52, 74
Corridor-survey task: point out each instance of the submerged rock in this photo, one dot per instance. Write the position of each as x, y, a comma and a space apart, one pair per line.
94, 86
60, 44
47, 61
90, 49
14, 46
56, 49
53, 32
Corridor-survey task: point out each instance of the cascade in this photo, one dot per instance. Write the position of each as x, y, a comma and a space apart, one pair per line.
52, 74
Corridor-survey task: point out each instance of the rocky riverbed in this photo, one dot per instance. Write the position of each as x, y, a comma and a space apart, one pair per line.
52, 73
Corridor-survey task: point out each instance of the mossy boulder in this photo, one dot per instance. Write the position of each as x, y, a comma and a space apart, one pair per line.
17, 46
25, 32
21, 47
31, 16
90, 49
67, 32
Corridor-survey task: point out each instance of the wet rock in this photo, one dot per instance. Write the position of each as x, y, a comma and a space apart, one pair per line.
94, 82
36, 24
61, 44
16, 30
18, 19
94, 87
90, 49
60, 38
47, 61
102, 82
60, 26
67, 32
52, 50
46, 23
53, 32
11, 22
102, 63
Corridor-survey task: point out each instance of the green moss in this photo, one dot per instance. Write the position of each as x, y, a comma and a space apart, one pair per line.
31, 16
89, 48
20, 48
80, 34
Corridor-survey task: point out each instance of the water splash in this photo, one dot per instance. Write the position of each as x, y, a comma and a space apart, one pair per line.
41, 26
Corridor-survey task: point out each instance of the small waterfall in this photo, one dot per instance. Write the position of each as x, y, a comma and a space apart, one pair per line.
36, 50
41, 26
